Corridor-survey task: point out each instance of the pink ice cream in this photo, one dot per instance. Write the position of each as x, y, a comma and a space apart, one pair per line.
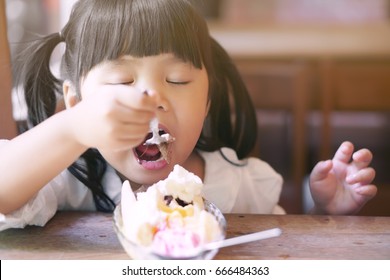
175, 242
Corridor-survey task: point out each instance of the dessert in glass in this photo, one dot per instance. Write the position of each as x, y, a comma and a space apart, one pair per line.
169, 220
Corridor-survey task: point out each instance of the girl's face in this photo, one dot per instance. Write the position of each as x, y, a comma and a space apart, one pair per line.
181, 91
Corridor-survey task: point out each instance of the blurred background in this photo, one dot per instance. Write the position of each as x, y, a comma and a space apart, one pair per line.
318, 72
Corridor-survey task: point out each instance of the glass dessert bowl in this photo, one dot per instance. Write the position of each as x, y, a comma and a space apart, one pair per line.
169, 220
139, 252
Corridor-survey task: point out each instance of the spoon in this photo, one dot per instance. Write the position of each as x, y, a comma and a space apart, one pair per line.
158, 139
243, 239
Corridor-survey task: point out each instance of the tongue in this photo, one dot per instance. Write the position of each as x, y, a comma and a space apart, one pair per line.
148, 152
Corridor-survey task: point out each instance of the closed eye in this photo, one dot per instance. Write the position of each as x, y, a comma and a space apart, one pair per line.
122, 83
178, 82
127, 83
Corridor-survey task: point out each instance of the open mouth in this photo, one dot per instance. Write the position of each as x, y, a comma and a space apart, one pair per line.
152, 152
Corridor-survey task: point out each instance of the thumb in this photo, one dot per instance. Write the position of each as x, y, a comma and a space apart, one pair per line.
321, 170
344, 152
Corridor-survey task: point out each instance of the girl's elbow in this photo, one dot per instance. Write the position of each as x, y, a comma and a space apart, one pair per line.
8, 205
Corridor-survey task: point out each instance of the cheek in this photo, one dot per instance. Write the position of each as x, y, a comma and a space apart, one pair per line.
118, 159
191, 122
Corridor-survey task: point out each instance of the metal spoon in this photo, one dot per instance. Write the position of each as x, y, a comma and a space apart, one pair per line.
243, 239
158, 139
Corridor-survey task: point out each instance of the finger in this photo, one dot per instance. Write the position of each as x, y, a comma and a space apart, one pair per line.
344, 152
367, 190
321, 170
128, 115
131, 131
124, 142
362, 158
363, 176
135, 98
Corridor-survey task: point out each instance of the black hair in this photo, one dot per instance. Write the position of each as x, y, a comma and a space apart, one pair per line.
101, 30
231, 121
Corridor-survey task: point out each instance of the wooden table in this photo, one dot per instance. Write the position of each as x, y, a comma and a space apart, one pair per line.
90, 235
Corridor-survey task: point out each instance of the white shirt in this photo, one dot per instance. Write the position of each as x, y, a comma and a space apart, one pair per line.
234, 186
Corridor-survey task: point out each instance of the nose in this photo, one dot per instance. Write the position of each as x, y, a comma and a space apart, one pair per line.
161, 100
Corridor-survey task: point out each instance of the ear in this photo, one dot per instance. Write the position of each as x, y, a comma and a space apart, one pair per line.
70, 95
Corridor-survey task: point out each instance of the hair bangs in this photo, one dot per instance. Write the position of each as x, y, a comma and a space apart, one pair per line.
155, 27
142, 28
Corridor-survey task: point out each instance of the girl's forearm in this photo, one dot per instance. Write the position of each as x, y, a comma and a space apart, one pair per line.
31, 160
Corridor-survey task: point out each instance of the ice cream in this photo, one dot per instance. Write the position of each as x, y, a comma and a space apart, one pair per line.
169, 218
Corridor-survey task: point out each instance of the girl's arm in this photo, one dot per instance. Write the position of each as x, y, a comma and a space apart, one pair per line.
31, 160
113, 117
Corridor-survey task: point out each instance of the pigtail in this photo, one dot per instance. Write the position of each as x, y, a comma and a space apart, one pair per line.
232, 115
38, 83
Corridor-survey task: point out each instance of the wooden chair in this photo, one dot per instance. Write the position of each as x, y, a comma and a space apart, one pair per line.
283, 86
8, 128
355, 85
352, 86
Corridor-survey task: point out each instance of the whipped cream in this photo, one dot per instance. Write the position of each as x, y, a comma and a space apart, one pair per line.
169, 217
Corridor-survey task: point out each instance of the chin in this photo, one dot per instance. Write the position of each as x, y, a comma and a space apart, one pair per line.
148, 173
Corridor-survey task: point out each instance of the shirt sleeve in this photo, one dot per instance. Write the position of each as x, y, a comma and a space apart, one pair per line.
38, 210
64, 192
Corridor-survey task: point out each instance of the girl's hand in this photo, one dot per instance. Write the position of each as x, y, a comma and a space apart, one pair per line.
341, 185
113, 117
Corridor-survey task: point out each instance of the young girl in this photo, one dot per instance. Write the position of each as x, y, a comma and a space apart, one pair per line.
127, 62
